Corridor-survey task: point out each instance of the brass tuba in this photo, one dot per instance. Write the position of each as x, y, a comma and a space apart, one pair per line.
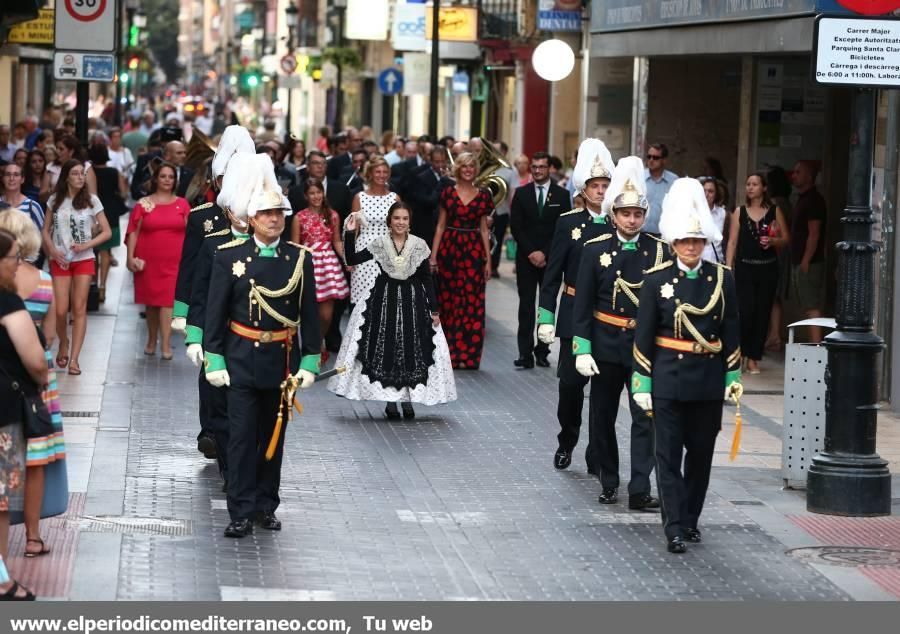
489, 161
200, 153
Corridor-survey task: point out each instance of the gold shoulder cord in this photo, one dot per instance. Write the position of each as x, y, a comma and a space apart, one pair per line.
659, 254
201, 206
223, 232
229, 245
260, 293
682, 320
627, 289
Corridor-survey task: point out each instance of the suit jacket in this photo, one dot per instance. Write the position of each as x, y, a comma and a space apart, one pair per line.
351, 178
423, 193
139, 182
336, 165
533, 230
401, 172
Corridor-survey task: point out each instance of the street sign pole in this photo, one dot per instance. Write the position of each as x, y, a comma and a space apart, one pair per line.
848, 477
82, 96
435, 69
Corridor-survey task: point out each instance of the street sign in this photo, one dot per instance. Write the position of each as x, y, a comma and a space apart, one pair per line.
37, 31
555, 15
460, 83
857, 51
80, 66
416, 74
289, 64
390, 81
86, 25
408, 32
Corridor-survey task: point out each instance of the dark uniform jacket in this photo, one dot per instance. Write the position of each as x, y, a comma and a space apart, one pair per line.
700, 309
573, 229
196, 317
262, 293
204, 220
609, 281
533, 229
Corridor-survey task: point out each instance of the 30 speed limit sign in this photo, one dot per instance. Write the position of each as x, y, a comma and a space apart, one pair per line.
85, 25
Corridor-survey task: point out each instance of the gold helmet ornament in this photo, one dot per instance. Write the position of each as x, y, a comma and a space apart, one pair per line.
594, 161
627, 188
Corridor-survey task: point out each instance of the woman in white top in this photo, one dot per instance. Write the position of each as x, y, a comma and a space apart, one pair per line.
74, 225
370, 207
715, 197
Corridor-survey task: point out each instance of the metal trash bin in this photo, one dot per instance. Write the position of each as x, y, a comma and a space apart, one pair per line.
803, 429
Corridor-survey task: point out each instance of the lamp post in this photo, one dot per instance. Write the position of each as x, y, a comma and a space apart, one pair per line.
290, 20
435, 68
341, 8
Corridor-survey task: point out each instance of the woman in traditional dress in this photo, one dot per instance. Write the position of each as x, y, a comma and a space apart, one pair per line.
461, 258
396, 350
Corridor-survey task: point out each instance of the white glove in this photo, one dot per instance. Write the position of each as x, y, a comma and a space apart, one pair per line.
306, 379
546, 333
179, 324
585, 365
195, 354
734, 391
644, 401
218, 378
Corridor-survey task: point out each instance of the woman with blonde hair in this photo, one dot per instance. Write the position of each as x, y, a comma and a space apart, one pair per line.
461, 258
370, 208
45, 455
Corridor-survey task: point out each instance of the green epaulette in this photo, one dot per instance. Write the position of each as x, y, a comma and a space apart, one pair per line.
199, 207
605, 236
659, 267
234, 243
577, 210
299, 246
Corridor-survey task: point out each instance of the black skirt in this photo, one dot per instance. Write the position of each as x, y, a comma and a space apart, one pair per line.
396, 347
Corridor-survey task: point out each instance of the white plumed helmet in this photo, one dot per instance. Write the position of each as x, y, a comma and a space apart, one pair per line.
685, 213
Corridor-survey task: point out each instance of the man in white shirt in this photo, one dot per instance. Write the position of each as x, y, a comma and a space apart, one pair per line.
658, 180
7, 148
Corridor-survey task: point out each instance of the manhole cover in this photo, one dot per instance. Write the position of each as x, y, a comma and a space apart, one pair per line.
850, 556
143, 525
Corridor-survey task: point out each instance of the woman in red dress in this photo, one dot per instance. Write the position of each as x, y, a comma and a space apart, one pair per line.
319, 228
154, 237
461, 258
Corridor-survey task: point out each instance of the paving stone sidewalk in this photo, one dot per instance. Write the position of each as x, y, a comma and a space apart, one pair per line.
461, 504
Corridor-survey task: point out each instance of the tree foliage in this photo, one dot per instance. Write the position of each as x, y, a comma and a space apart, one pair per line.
162, 38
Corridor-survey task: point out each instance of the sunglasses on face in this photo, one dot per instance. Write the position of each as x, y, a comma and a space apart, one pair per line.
654, 157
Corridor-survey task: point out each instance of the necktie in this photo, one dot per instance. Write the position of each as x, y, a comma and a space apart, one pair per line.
267, 252
540, 200
629, 246
692, 275
599, 220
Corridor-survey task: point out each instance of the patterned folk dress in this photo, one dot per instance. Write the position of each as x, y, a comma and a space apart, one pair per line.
460, 280
315, 234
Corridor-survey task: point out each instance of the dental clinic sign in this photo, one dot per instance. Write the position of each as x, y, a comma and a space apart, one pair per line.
408, 29
857, 51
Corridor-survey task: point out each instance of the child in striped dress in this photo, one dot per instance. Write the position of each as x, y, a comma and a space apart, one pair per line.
319, 228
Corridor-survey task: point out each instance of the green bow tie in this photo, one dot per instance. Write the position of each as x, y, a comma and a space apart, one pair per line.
267, 252
692, 275
629, 246
599, 220
241, 236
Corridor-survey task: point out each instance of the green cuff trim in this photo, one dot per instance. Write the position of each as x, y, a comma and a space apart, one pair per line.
641, 383
581, 346
180, 309
192, 334
213, 362
545, 317
311, 363
733, 376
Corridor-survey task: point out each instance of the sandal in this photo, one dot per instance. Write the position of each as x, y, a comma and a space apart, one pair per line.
166, 357
150, 353
11, 594
45, 550
74, 369
61, 360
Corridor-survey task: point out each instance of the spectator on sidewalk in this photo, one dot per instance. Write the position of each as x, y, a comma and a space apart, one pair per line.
7, 147
780, 193
13, 178
658, 180
22, 362
522, 164
120, 157
74, 226
20, 158
716, 194
808, 245
46, 485
112, 190
134, 139
37, 181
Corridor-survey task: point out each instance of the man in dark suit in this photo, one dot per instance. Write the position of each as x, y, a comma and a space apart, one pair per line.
423, 192
533, 213
404, 171
344, 144
352, 176
155, 147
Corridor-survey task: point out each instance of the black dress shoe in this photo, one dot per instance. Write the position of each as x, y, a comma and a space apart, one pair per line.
692, 535
562, 458
206, 444
408, 411
676, 546
239, 528
541, 361
526, 363
268, 521
610, 495
642, 502
391, 412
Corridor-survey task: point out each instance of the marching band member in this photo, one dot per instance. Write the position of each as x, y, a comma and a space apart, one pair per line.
204, 220
591, 175
686, 356
262, 295
609, 280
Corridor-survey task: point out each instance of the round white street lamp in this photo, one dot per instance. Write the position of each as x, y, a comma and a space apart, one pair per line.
553, 60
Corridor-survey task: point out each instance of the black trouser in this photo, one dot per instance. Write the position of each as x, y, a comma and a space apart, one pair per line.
571, 400
501, 222
756, 284
686, 428
528, 280
252, 480
203, 388
606, 387
217, 421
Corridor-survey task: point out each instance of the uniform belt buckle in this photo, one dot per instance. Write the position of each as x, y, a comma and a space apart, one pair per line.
631, 323
265, 336
697, 348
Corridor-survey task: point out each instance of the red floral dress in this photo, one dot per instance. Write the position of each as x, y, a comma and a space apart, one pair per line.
460, 280
330, 280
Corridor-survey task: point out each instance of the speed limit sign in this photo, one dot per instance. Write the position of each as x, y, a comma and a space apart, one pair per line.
85, 25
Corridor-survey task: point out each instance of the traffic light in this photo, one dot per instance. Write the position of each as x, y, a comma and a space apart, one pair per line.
134, 36
124, 78
252, 81
133, 62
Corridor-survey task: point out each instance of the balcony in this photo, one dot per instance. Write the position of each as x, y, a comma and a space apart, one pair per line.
499, 19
